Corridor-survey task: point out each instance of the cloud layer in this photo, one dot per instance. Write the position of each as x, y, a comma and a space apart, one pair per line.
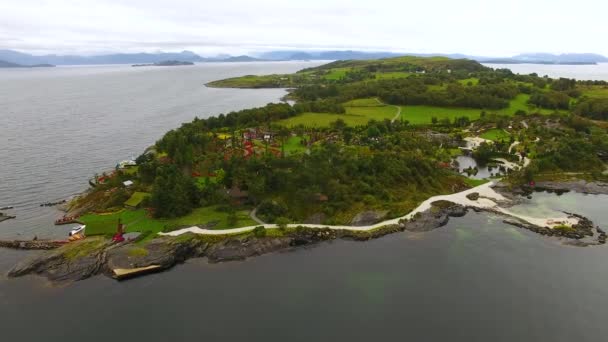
479, 27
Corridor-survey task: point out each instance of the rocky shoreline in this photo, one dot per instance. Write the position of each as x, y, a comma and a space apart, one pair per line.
94, 256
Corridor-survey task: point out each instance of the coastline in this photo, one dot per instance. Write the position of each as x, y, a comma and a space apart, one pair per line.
487, 200
97, 255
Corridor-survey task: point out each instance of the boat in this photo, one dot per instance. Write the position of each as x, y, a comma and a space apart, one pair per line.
77, 230
7, 207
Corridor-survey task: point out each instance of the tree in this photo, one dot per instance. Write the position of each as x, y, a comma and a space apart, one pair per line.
434, 120
173, 194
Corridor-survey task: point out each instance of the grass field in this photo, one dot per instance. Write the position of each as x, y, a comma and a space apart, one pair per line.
138, 221
596, 92
370, 102
421, 115
355, 116
496, 135
392, 75
474, 81
337, 73
294, 145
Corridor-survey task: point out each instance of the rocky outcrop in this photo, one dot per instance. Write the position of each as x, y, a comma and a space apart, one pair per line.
582, 186
93, 256
436, 217
31, 244
79, 261
367, 218
4, 217
245, 247
164, 252
474, 196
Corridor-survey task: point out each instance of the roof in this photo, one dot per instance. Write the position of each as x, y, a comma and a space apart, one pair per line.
236, 192
127, 183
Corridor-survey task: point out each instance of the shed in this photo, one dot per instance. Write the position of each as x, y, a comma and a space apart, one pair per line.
127, 183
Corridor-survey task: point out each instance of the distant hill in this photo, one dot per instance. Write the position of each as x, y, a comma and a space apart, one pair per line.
10, 56
5, 64
241, 59
164, 63
121, 58
566, 58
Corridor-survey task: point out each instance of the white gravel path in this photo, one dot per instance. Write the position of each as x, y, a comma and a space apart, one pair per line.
488, 200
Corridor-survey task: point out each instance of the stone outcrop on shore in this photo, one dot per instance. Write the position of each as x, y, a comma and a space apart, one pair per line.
84, 259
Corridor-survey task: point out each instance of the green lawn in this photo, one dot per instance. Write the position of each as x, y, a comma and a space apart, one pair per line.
138, 221
355, 116
293, 145
131, 170
474, 81
596, 92
475, 182
421, 115
136, 199
337, 73
496, 134
392, 75
370, 102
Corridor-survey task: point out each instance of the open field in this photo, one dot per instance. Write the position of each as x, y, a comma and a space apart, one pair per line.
421, 115
336, 74
392, 75
138, 221
596, 92
369, 102
354, 116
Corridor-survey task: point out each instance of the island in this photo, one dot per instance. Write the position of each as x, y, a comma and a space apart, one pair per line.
364, 148
4, 64
164, 63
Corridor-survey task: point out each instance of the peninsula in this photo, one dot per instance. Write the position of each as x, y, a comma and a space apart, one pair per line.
164, 63
368, 148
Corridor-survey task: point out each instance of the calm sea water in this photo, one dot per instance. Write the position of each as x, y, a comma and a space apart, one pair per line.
580, 72
475, 279
62, 125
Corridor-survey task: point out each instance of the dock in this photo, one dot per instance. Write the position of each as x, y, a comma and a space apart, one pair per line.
126, 273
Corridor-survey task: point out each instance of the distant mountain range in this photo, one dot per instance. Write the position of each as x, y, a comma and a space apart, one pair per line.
9, 57
5, 64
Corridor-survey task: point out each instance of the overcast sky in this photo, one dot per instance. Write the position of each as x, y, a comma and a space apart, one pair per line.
476, 27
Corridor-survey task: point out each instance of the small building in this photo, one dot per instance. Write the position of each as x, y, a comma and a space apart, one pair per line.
126, 164
127, 183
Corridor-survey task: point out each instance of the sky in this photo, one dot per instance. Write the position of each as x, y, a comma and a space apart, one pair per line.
474, 27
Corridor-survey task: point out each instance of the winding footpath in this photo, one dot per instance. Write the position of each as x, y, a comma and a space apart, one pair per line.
397, 116
488, 200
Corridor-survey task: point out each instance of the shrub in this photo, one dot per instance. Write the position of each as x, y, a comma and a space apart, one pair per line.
282, 222
259, 232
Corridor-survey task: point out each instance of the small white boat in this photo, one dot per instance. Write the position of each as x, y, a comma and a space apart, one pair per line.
78, 229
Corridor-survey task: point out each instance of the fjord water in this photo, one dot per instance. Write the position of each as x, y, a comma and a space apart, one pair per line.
60, 126
476, 279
